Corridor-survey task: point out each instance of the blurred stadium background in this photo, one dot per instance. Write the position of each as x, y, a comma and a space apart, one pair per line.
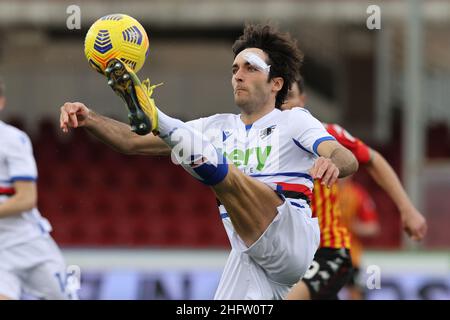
141, 228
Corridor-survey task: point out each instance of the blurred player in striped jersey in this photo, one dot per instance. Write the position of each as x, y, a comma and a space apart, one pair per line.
360, 217
332, 266
31, 264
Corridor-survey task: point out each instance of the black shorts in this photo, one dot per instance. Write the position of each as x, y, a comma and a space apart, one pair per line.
330, 270
354, 278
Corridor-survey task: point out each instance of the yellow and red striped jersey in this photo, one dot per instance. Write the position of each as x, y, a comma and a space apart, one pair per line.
325, 204
356, 204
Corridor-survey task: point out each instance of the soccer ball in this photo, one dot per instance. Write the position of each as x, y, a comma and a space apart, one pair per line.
116, 36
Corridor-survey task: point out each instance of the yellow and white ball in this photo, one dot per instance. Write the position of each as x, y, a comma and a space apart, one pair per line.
116, 36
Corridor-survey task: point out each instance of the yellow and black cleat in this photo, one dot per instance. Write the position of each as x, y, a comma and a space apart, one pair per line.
142, 111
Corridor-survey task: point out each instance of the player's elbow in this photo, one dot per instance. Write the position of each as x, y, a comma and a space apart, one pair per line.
349, 163
354, 166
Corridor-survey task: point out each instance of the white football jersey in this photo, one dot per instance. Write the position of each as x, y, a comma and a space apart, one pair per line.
17, 163
278, 149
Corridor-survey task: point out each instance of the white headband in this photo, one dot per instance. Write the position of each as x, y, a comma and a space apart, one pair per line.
257, 62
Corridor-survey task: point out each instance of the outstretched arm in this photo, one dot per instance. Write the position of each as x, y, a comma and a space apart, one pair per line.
413, 222
334, 162
111, 132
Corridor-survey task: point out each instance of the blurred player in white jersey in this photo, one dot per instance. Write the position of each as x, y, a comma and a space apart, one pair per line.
31, 264
252, 161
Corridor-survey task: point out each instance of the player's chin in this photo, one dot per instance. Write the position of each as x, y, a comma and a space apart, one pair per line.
240, 101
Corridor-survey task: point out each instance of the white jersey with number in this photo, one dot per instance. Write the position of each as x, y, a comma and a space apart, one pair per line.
17, 163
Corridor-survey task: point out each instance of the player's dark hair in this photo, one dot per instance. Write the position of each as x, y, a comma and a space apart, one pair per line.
2, 88
285, 58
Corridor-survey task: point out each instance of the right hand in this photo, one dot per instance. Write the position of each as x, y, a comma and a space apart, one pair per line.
325, 170
414, 223
73, 115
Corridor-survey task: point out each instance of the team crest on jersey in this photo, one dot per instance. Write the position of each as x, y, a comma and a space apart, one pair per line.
226, 134
264, 133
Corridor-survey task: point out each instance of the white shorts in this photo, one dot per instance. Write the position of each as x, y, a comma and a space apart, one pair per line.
33, 269
275, 262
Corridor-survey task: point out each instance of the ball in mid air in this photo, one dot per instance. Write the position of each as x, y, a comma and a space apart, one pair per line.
116, 36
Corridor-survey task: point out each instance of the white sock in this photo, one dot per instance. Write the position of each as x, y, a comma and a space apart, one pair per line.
193, 151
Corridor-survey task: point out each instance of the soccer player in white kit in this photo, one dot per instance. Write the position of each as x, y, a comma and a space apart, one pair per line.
31, 264
260, 163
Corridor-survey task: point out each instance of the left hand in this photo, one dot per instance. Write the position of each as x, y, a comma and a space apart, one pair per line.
325, 170
414, 223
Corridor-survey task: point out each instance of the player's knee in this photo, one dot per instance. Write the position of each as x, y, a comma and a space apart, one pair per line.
212, 172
